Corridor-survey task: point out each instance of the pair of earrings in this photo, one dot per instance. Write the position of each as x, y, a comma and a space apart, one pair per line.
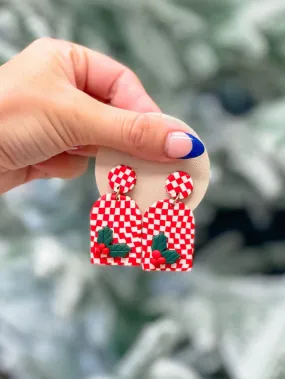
160, 240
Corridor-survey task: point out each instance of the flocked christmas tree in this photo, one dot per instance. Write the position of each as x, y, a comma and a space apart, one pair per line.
220, 66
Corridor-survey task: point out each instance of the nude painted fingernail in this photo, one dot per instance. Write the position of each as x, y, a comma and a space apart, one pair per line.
183, 146
75, 148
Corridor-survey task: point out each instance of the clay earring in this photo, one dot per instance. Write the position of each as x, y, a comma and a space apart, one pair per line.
168, 229
116, 222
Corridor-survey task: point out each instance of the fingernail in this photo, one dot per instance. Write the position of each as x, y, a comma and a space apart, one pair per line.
75, 148
183, 145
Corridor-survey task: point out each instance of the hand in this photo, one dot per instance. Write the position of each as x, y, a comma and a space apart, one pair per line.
55, 96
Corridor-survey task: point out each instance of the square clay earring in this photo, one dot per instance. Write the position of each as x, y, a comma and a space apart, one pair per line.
116, 222
168, 229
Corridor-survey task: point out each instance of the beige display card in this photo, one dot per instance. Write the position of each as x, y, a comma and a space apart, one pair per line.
151, 176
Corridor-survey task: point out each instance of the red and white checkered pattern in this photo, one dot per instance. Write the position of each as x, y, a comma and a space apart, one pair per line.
122, 177
177, 222
124, 218
179, 183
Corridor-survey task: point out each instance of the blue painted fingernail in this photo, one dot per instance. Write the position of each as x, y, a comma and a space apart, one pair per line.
198, 147
183, 146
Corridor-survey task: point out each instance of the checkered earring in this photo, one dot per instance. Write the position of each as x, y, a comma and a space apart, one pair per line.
168, 229
116, 223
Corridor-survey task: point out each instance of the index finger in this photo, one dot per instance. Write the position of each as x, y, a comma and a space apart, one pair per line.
110, 81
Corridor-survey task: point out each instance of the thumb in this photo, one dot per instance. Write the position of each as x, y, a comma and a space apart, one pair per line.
154, 137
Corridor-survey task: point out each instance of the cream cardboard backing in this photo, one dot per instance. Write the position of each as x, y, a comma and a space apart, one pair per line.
151, 176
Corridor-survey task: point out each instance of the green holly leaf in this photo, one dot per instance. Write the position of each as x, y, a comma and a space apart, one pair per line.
119, 250
171, 256
105, 235
159, 242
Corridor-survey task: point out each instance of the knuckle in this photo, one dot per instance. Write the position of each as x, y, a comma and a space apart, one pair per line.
47, 52
40, 64
43, 43
131, 76
139, 132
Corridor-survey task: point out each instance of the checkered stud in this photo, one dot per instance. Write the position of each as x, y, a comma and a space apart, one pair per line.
179, 185
122, 178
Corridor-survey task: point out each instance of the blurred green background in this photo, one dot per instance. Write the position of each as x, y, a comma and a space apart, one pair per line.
220, 66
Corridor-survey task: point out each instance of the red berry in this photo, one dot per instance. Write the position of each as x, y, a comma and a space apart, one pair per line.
97, 252
156, 254
101, 246
106, 251
161, 261
153, 261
